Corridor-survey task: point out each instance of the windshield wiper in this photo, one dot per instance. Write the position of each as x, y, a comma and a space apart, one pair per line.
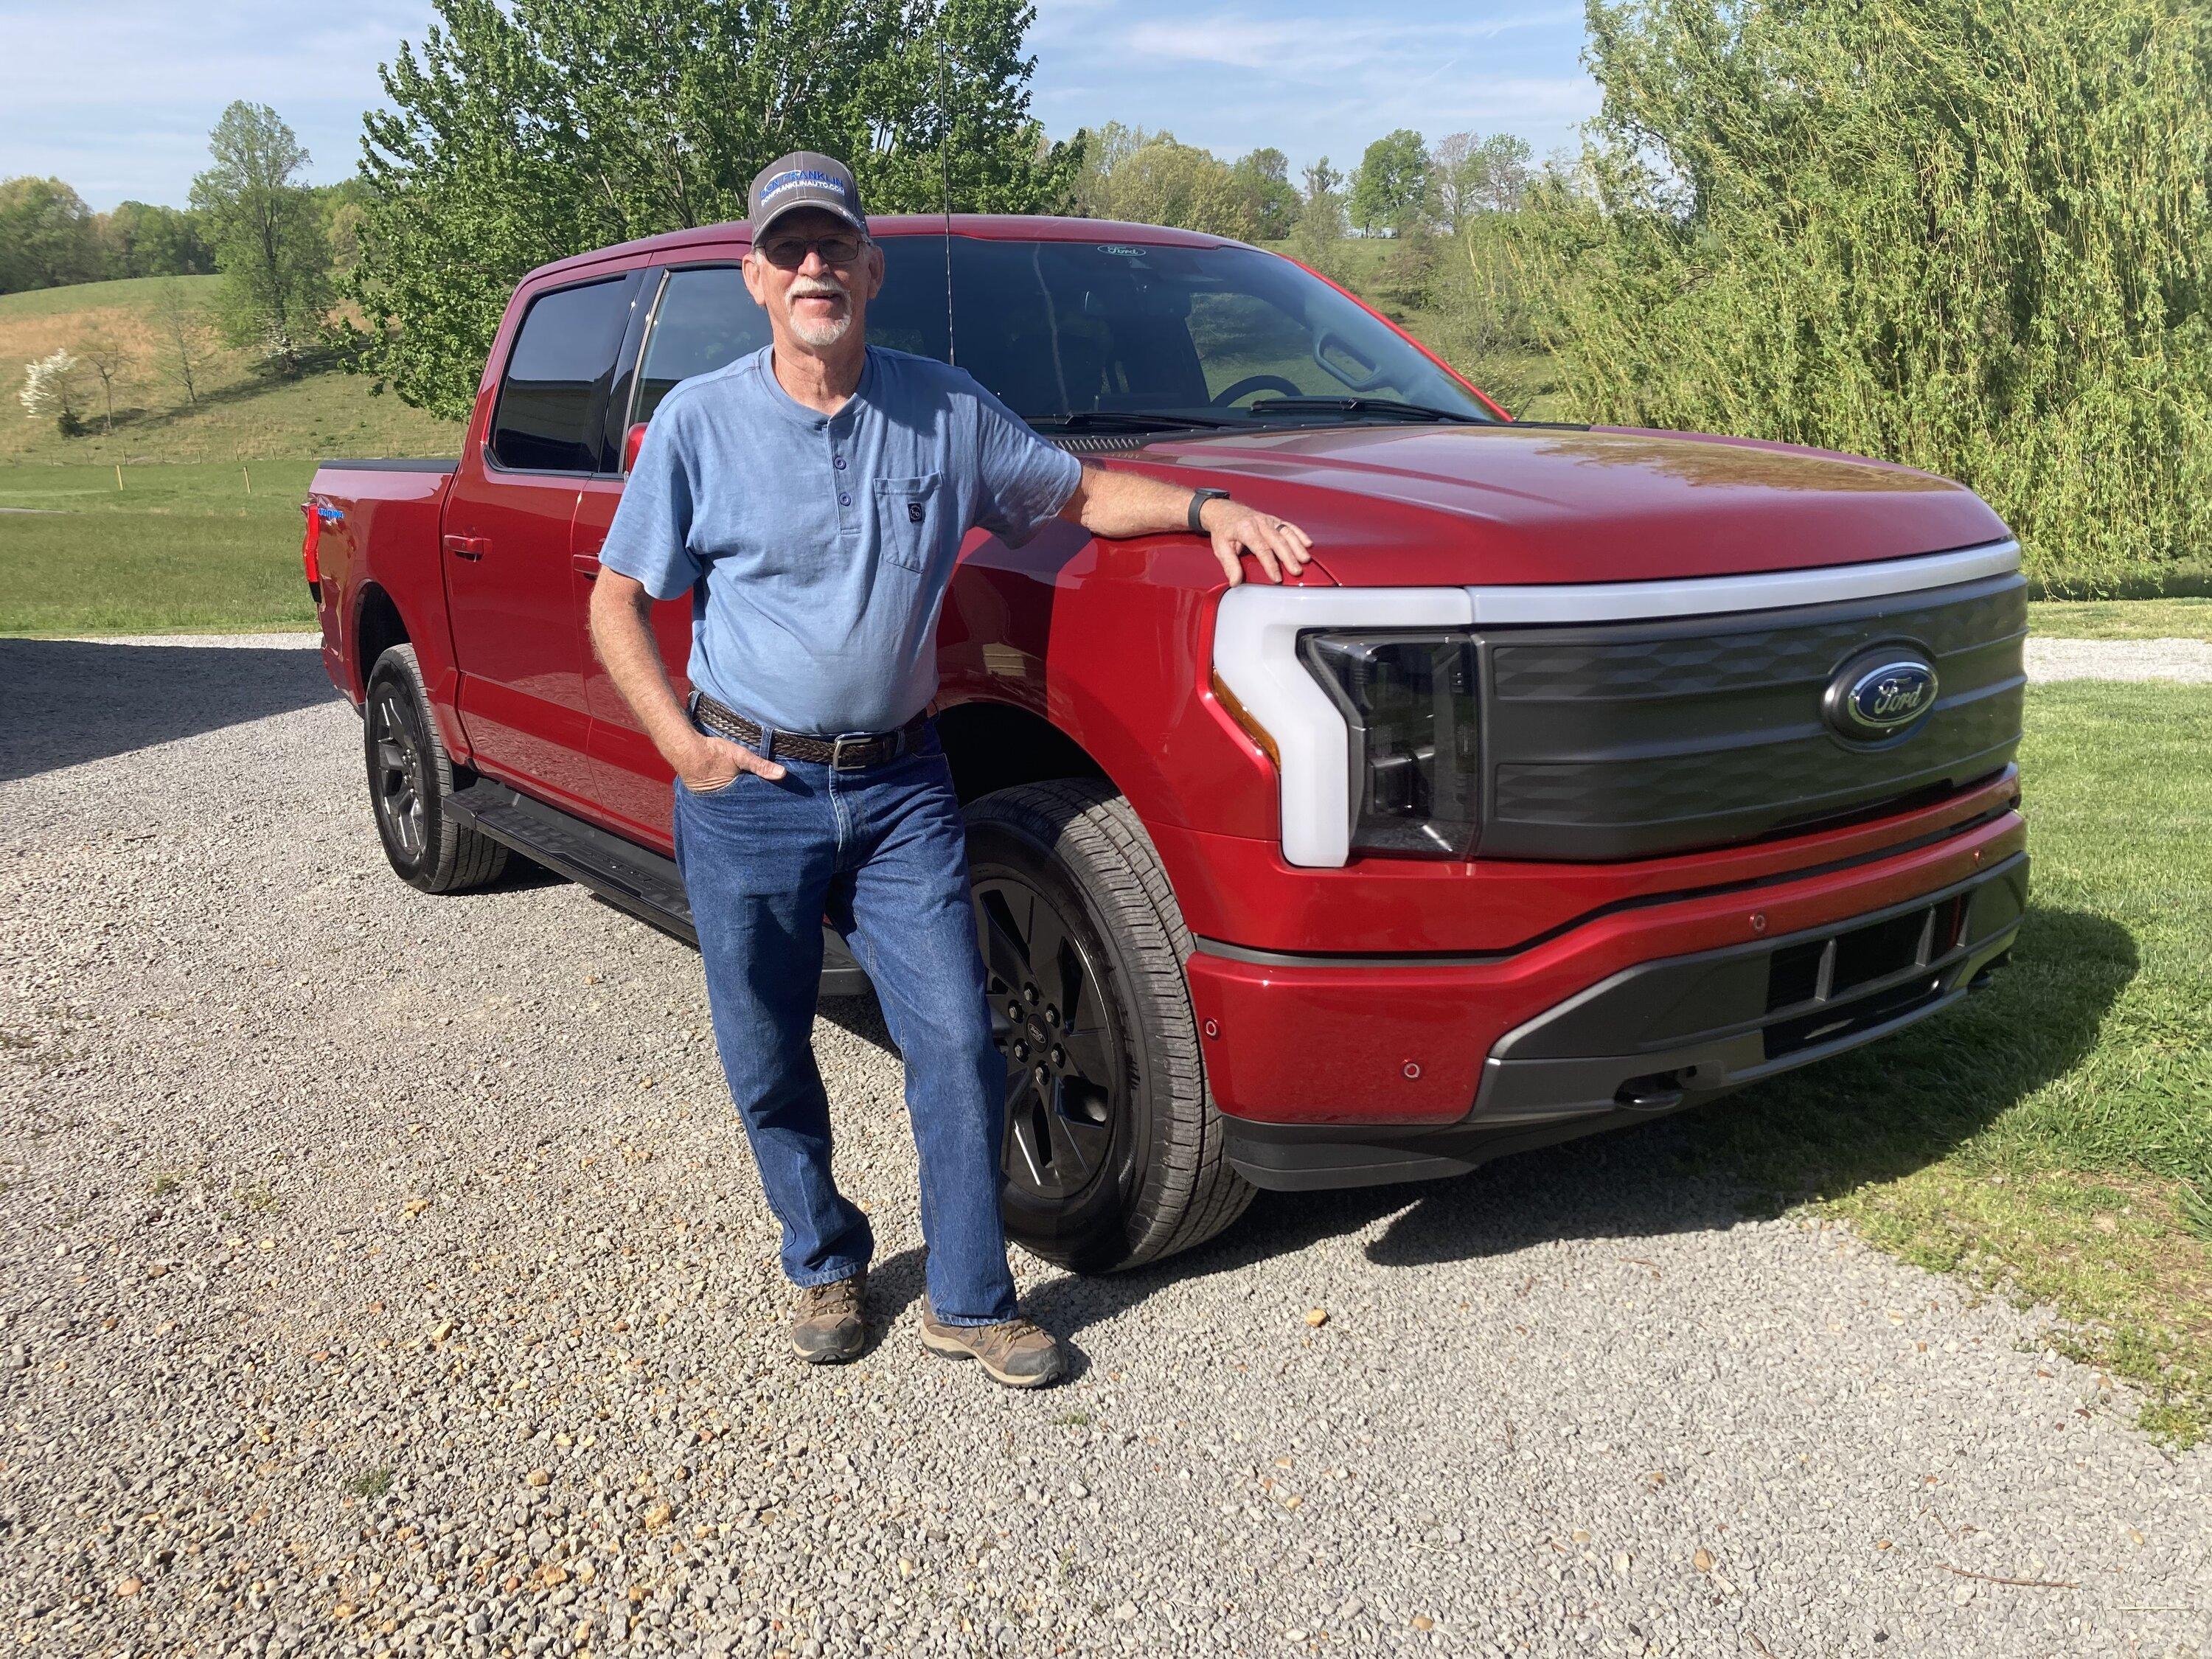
1125, 420
1389, 406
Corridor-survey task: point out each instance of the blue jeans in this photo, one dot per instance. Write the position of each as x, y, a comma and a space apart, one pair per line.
881, 851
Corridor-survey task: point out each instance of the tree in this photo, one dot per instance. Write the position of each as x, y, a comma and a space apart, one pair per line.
1968, 235
186, 340
50, 390
267, 236
1474, 175
529, 131
138, 239
1317, 233
1447, 170
100, 353
1390, 191
1163, 182
46, 235
1500, 174
1271, 200
1090, 193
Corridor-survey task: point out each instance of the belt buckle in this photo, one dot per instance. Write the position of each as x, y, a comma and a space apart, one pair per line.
837, 761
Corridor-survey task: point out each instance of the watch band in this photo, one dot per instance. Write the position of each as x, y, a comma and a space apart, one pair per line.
1199, 498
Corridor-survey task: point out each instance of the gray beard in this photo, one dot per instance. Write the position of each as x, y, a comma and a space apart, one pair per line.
822, 334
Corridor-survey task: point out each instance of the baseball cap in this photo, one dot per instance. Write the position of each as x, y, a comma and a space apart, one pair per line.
804, 179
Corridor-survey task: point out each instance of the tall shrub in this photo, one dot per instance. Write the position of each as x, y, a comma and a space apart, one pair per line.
1971, 235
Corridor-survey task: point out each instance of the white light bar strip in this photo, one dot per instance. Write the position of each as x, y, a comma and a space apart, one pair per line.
1774, 590
1255, 651
1255, 638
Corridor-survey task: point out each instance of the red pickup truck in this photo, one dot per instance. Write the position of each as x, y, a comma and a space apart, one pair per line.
1587, 773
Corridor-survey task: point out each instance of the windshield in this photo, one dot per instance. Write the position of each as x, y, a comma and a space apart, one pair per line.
1090, 329
1076, 335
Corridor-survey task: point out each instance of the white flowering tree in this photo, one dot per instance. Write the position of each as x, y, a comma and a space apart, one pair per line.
51, 391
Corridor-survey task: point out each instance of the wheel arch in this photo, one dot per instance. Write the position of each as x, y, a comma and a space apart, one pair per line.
378, 626
995, 745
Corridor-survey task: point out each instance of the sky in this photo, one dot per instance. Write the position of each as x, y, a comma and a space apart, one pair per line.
117, 97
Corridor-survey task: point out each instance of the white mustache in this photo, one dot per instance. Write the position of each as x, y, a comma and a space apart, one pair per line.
817, 291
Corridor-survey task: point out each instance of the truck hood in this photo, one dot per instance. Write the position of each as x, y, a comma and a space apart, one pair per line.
1450, 505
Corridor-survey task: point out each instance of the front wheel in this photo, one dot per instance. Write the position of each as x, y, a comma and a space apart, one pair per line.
1113, 1154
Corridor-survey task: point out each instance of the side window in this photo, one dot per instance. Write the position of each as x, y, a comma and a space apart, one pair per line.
556, 378
910, 315
705, 320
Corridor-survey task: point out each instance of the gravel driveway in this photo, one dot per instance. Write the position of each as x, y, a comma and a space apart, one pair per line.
384, 1272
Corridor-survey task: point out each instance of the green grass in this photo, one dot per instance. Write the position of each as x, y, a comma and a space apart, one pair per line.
135, 293
177, 550
2046, 1137
2122, 619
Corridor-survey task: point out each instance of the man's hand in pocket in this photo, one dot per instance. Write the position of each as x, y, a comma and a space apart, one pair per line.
715, 763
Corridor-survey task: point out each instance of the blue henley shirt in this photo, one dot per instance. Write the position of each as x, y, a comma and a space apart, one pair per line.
817, 548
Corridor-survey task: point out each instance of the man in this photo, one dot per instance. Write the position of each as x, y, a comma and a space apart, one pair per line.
812, 498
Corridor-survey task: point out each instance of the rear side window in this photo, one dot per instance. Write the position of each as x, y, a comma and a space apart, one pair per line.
706, 320
547, 420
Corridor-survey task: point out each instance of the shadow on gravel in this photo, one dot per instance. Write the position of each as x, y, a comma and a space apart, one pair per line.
71, 700
1869, 1116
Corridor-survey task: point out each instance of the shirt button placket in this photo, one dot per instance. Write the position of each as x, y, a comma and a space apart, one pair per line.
847, 521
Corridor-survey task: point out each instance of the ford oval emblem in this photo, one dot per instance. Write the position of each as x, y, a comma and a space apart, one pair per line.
1880, 694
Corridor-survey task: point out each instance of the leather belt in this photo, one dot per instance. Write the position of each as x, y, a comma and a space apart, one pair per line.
846, 754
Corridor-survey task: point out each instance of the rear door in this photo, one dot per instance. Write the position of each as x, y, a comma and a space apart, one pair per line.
515, 598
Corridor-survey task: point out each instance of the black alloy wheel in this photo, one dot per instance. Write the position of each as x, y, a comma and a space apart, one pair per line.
1114, 1155
410, 779
1053, 1024
395, 771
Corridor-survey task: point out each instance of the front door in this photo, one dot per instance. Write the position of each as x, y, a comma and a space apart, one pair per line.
703, 319
515, 598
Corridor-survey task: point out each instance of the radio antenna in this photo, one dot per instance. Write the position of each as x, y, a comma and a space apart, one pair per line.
945, 174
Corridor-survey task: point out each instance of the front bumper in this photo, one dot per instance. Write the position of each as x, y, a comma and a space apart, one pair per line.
1356, 1073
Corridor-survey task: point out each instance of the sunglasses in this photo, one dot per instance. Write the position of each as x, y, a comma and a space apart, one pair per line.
789, 252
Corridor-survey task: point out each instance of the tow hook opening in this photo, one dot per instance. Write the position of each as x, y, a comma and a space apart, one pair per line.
1654, 1091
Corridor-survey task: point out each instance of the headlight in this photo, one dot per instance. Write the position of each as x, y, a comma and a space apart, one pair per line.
1408, 700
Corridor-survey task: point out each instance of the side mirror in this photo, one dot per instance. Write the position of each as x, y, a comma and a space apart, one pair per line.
633, 441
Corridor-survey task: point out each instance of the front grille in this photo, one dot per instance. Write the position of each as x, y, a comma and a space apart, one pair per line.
1635, 740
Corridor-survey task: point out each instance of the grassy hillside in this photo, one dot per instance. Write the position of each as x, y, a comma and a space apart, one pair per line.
240, 415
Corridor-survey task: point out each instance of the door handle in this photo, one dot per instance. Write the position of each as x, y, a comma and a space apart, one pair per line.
467, 547
586, 565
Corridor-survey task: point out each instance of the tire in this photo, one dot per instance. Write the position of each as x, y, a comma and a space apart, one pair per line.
1114, 1152
410, 779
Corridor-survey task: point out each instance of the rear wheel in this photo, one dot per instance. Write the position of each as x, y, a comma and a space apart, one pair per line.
410, 779
1114, 1153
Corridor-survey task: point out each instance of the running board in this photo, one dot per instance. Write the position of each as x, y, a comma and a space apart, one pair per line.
621, 872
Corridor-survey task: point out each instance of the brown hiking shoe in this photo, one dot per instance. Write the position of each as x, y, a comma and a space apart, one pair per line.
829, 1324
1013, 1352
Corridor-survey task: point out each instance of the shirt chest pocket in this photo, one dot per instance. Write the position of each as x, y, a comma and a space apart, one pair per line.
910, 518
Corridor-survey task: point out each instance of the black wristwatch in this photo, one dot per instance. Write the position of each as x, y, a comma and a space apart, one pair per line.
1199, 498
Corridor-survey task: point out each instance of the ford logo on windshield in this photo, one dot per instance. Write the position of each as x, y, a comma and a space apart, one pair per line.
1880, 694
